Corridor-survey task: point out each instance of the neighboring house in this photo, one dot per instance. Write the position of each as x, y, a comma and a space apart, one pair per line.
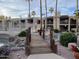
63, 22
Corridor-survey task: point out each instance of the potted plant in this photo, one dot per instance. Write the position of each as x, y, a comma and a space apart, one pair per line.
56, 31
56, 34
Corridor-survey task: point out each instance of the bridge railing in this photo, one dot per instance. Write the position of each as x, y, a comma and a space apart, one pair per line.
53, 46
28, 40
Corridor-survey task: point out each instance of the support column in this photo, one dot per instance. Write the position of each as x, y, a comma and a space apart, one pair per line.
19, 24
35, 24
3, 25
54, 22
10, 24
13, 24
58, 23
78, 25
69, 24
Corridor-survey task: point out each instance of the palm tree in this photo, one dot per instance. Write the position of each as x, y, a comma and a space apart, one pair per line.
45, 21
56, 12
29, 7
33, 13
40, 17
46, 13
77, 15
51, 10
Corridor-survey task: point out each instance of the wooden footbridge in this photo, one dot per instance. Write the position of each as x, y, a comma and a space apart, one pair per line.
35, 44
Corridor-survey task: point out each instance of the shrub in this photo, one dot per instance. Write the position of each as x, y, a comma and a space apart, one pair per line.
56, 31
67, 37
22, 34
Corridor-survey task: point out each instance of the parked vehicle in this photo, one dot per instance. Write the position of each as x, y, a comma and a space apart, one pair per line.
4, 44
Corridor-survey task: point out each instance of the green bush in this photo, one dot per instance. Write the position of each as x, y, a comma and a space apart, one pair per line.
67, 37
22, 34
56, 31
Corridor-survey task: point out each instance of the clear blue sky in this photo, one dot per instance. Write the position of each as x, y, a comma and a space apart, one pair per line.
20, 7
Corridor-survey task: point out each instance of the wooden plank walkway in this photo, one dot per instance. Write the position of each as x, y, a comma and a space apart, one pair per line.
38, 45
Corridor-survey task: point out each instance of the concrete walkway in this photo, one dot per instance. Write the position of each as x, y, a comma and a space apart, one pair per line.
62, 51
38, 45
